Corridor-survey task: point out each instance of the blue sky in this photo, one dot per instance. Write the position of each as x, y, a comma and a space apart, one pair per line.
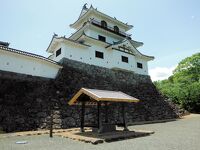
170, 29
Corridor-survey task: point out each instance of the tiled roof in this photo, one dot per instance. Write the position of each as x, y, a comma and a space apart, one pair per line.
131, 42
4, 43
67, 39
84, 34
75, 41
3, 48
92, 9
103, 95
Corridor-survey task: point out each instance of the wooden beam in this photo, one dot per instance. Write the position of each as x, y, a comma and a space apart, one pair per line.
106, 112
99, 116
51, 125
124, 117
82, 115
50, 107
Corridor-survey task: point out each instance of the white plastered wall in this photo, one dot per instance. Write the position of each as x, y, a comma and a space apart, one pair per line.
109, 39
112, 58
109, 23
18, 63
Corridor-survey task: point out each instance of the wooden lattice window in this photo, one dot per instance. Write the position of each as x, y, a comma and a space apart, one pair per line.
125, 59
102, 38
116, 29
139, 65
99, 54
58, 52
103, 24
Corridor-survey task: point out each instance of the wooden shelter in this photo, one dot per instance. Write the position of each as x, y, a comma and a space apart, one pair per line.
101, 97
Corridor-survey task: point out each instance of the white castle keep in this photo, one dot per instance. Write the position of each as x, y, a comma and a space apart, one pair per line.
99, 40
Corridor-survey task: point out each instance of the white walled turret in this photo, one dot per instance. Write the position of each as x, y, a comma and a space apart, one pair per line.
102, 41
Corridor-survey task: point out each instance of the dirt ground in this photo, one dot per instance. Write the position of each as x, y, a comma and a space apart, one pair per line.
182, 134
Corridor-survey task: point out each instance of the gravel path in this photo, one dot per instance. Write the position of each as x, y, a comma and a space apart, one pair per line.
183, 134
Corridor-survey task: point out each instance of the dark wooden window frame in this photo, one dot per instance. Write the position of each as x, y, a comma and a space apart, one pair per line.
99, 54
104, 24
139, 65
58, 52
111, 29
124, 59
102, 38
116, 29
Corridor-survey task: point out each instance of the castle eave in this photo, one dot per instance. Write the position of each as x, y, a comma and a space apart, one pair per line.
91, 10
86, 37
56, 40
30, 55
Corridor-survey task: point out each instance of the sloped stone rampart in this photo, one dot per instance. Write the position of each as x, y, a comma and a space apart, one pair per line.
27, 102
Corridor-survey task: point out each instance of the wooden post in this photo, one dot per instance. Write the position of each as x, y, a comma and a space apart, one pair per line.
51, 117
82, 115
124, 117
106, 112
51, 125
99, 116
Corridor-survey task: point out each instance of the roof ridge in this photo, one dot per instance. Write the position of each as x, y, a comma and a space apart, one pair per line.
28, 54
92, 9
73, 41
113, 18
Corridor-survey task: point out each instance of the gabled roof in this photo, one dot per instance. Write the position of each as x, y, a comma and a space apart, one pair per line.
56, 39
132, 47
84, 36
103, 95
95, 11
80, 31
12, 50
136, 43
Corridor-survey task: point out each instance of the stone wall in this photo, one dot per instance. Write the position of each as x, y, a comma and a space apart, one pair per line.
26, 102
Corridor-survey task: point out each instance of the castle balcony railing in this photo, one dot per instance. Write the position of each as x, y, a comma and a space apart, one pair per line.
111, 29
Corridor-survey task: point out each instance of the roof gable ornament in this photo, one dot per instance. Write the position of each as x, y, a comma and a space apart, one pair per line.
54, 34
5, 44
128, 46
85, 6
91, 6
84, 10
86, 13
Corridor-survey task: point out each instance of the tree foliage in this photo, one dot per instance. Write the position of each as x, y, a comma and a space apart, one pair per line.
183, 87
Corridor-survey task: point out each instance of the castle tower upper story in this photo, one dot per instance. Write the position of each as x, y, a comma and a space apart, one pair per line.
91, 13
100, 40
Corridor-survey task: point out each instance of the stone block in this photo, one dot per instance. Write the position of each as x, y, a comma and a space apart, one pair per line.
68, 122
57, 121
41, 114
28, 97
56, 116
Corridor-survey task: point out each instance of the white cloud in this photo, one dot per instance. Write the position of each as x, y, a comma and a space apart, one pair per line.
161, 73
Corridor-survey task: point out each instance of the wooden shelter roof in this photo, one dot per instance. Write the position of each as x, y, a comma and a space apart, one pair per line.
103, 95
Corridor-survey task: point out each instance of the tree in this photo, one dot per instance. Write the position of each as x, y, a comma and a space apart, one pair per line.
183, 87
188, 70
